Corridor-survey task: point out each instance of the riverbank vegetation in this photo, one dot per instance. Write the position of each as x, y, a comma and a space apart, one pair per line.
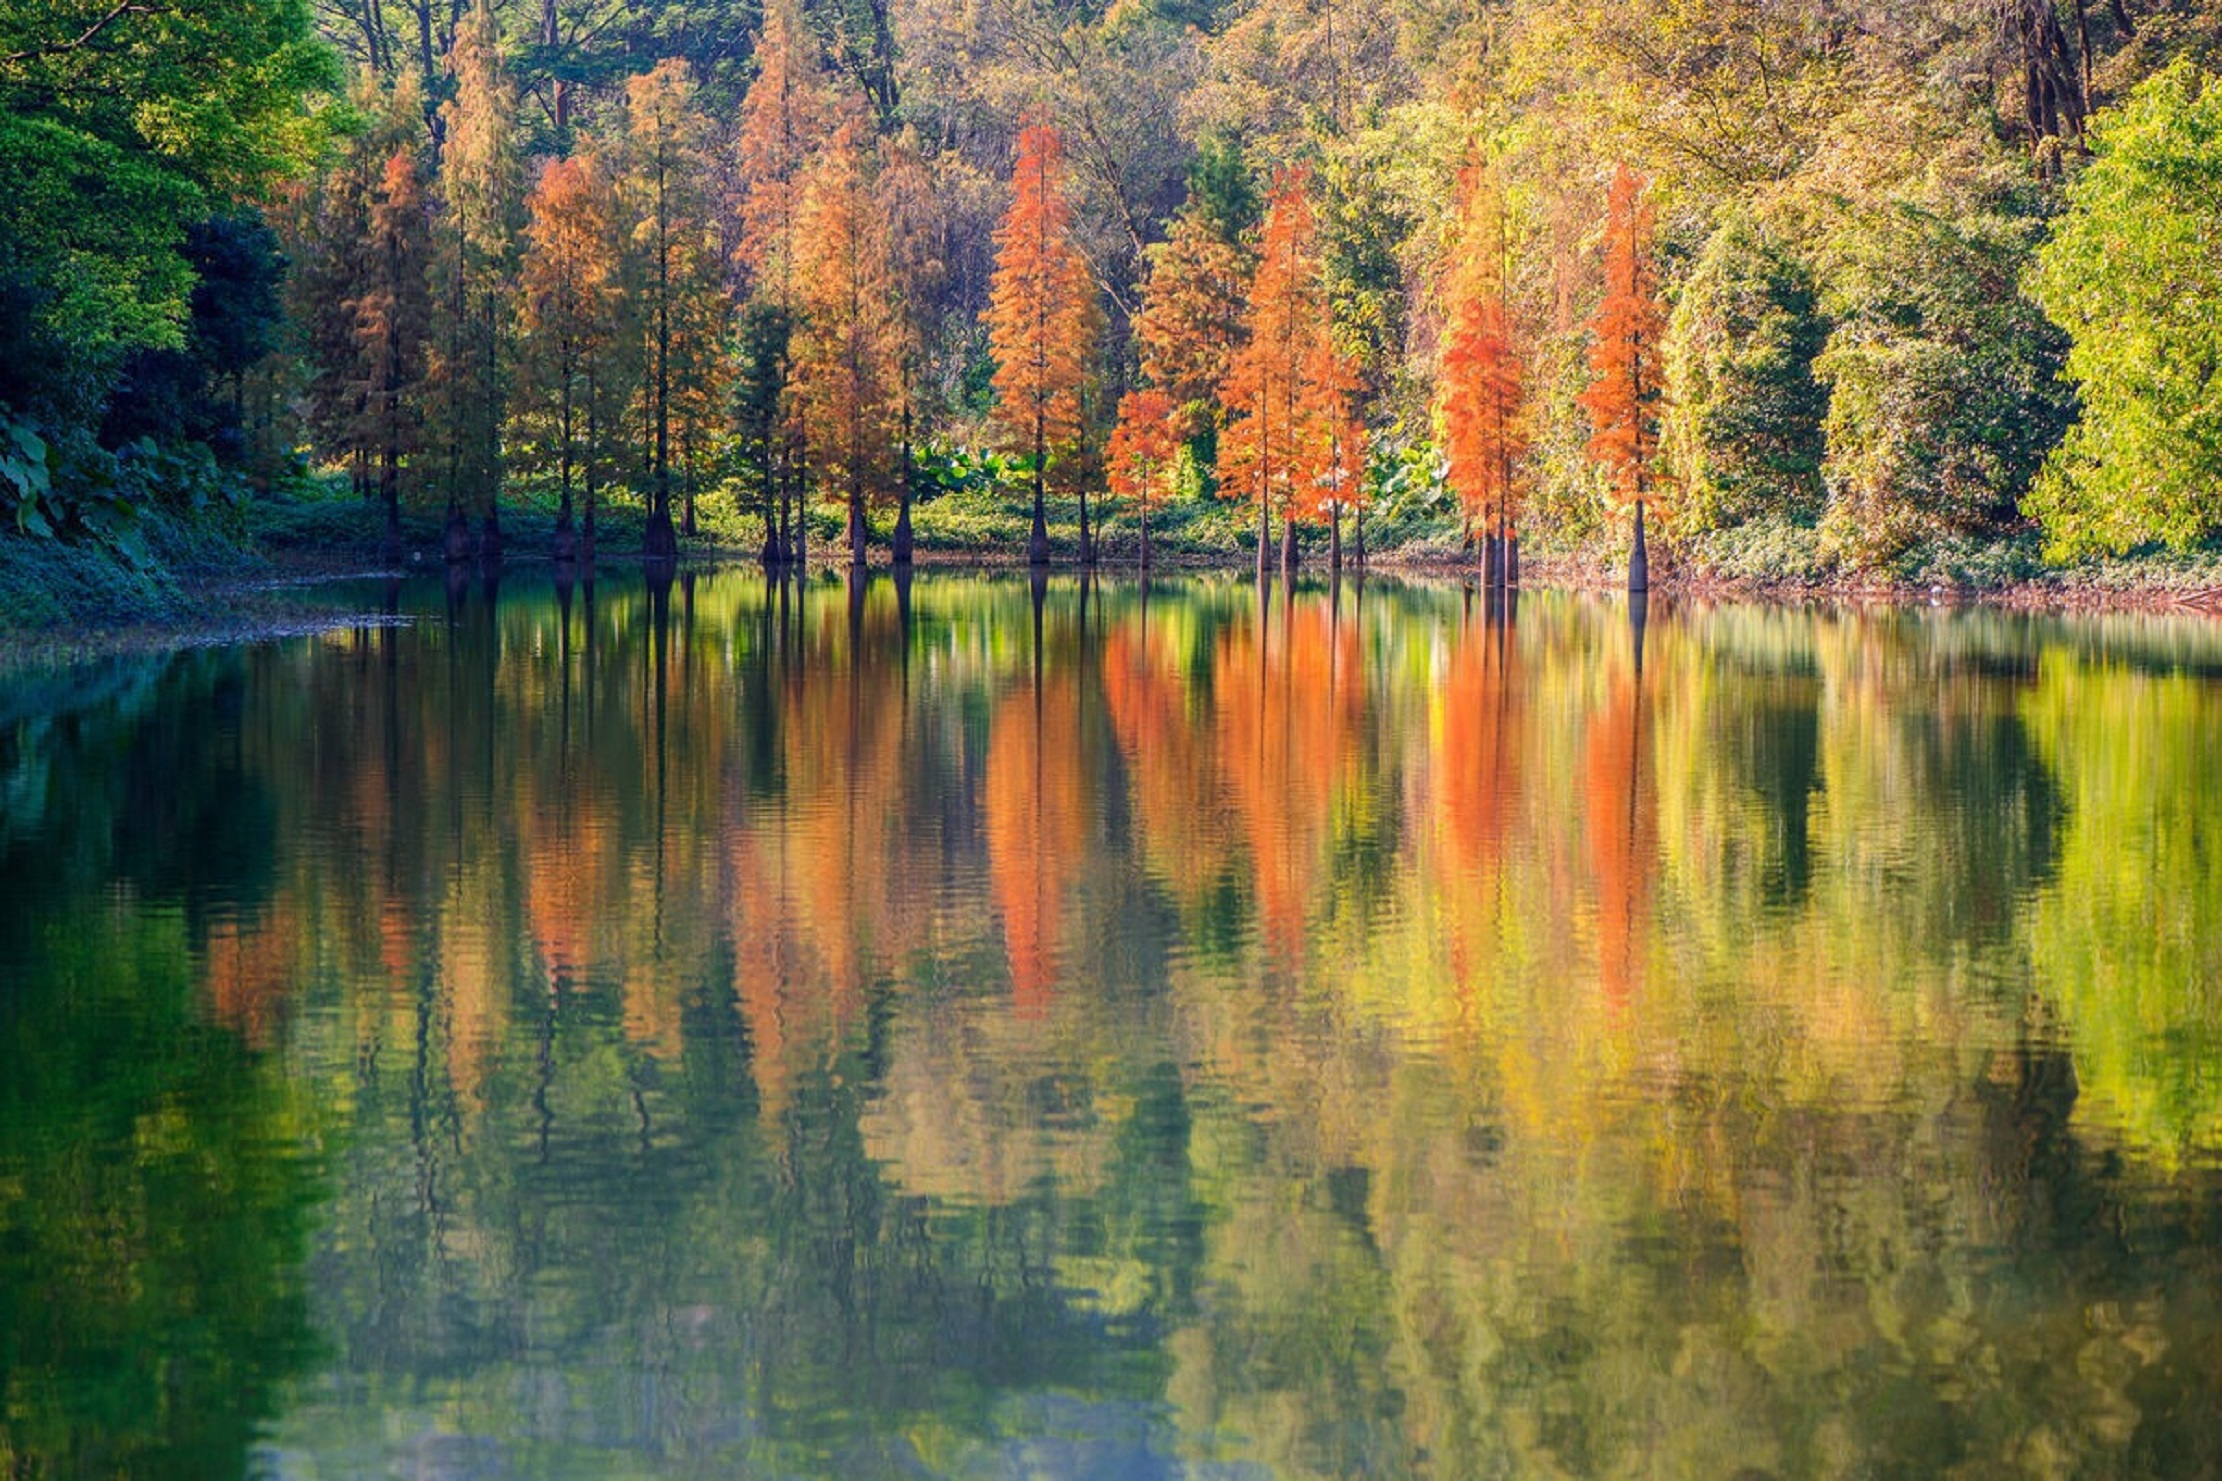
1809, 291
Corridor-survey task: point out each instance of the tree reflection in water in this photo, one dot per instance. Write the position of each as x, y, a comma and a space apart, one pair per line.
852, 1027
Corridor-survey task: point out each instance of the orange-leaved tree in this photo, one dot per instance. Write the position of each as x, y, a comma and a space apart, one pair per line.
1269, 451
1481, 391
1623, 396
784, 119
1042, 317
1335, 430
1193, 314
667, 222
847, 337
392, 315
572, 281
480, 198
917, 227
1141, 453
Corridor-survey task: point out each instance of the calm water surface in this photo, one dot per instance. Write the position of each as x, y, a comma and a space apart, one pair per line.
938, 1031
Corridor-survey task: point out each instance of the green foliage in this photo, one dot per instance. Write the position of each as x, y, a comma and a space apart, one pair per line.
1744, 418
2133, 275
1942, 376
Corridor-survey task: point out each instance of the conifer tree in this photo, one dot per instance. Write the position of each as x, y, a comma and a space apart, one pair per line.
1042, 318
392, 314
846, 346
1192, 315
572, 279
665, 212
1270, 451
1335, 428
917, 227
1623, 394
481, 196
1141, 453
326, 229
1480, 393
784, 119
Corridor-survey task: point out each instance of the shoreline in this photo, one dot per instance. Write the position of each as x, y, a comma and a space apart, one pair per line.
278, 600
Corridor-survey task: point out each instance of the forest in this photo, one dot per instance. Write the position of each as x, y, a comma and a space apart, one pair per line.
1795, 287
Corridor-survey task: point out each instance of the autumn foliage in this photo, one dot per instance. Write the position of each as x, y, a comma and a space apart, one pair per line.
1623, 395
846, 367
1142, 451
1480, 394
1042, 315
1272, 451
570, 285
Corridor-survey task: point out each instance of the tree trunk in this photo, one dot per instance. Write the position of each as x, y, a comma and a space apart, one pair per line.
1265, 537
1087, 540
903, 538
1037, 543
1639, 559
1512, 560
856, 525
1334, 541
1288, 548
458, 541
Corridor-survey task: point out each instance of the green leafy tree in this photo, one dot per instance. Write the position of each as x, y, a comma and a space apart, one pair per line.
1743, 409
2132, 274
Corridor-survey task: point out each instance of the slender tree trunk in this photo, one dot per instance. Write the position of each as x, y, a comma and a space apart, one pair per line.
902, 513
1334, 540
1265, 529
1288, 546
1639, 559
1145, 512
1037, 543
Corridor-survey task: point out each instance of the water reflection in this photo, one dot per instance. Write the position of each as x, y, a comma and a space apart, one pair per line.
851, 1026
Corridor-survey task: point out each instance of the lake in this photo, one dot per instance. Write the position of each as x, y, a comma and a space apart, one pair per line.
967, 1029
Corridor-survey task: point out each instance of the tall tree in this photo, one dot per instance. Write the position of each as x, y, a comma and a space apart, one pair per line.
846, 353
392, 314
326, 229
2132, 274
1623, 395
1335, 428
1141, 454
480, 186
918, 226
1480, 389
1192, 316
1270, 450
1042, 319
662, 191
784, 119
572, 278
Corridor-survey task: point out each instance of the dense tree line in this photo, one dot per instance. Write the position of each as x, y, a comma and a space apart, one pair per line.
1531, 264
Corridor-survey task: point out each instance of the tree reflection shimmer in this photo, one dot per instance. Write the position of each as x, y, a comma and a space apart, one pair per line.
967, 1027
